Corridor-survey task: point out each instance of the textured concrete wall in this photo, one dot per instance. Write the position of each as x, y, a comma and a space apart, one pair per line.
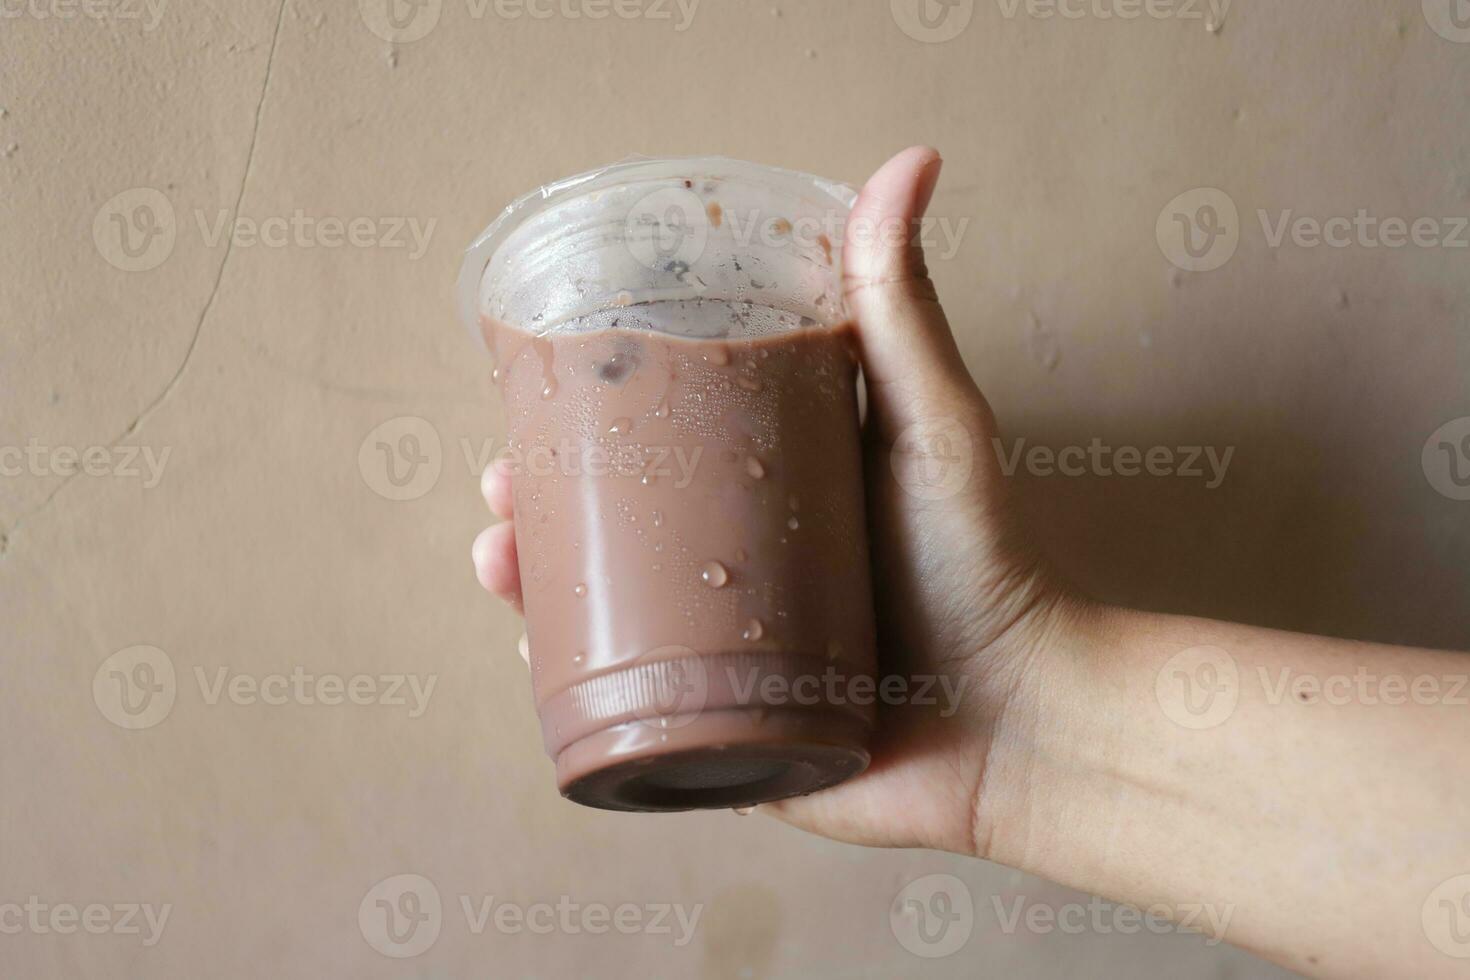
239, 520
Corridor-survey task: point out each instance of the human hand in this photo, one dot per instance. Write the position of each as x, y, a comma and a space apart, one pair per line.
960, 593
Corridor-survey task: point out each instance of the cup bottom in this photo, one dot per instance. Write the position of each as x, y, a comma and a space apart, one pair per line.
734, 757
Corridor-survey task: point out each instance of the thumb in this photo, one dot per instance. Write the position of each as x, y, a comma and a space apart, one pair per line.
911, 364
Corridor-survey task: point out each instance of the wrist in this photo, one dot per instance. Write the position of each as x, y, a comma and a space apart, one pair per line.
1055, 744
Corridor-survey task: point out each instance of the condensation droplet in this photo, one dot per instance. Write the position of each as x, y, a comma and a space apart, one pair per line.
714, 575
579, 659
793, 503
743, 811
754, 467
741, 554
753, 631
620, 427
580, 590
658, 518
793, 523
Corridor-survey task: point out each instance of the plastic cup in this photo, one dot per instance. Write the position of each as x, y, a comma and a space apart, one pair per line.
680, 386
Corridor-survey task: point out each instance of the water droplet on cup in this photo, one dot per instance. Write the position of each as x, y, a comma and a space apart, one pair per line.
743, 811
580, 591
620, 427
754, 467
753, 631
741, 554
579, 659
658, 518
714, 575
793, 523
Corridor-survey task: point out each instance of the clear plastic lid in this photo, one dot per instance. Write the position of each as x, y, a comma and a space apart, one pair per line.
649, 232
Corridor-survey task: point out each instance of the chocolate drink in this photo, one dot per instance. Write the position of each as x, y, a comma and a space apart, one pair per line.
690, 522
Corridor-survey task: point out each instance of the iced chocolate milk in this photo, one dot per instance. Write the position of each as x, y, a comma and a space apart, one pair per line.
681, 407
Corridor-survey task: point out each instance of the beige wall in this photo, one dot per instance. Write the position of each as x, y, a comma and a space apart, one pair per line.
264, 546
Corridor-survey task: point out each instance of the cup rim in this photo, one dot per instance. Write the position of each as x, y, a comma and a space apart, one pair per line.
478, 256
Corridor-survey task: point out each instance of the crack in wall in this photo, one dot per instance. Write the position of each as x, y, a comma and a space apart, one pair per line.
168, 389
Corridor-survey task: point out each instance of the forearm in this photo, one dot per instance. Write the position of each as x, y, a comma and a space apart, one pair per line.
1314, 791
